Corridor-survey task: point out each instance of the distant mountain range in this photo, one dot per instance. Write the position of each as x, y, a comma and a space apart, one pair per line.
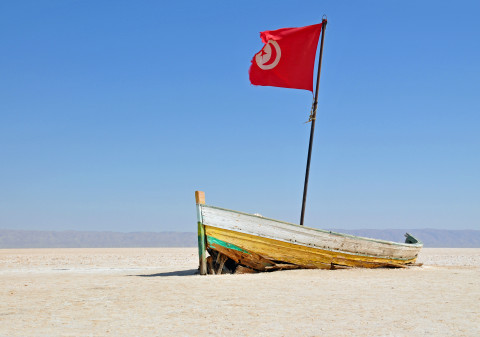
83, 239
438, 238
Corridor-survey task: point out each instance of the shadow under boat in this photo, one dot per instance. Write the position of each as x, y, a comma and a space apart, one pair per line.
187, 272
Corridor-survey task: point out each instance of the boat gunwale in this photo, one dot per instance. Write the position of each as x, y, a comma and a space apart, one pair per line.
419, 244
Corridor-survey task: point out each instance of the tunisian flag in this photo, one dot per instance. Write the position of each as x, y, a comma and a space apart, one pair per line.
287, 59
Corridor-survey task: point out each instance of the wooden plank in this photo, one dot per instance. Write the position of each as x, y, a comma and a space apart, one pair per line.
336, 266
248, 259
200, 197
221, 263
309, 237
282, 266
244, 270
202, 256
210, 268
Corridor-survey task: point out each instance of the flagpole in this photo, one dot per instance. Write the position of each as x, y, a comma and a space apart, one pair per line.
312, 119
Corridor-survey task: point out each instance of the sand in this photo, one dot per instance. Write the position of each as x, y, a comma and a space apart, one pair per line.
154, 292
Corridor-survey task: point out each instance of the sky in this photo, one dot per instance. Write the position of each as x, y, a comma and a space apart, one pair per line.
112, 113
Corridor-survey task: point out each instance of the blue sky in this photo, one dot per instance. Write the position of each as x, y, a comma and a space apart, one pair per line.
112, 113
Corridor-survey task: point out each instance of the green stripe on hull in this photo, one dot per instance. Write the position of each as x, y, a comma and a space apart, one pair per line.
201, 240
213, 241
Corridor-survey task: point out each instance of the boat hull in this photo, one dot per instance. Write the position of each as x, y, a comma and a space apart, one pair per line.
264, 244
268, 254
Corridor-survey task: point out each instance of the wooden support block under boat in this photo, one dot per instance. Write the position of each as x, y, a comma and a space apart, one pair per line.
244, 270
220, 263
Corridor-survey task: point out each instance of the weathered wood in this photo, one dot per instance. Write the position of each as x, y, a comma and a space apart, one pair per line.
337, 266
244, 270
202, 258
394, 265
244, 248
308, 237
200, 197
201, 250
251, 260
213, 254
282, 266
218, 258
221, 263
210, 267
261, 244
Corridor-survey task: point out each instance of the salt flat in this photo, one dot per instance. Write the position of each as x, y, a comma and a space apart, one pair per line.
154, 292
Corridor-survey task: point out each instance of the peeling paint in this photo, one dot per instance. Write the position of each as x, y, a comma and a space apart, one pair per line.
212, 241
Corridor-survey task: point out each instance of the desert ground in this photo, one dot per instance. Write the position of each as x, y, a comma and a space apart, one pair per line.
155, 292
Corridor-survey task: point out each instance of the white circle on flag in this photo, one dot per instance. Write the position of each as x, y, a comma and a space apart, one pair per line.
269, 57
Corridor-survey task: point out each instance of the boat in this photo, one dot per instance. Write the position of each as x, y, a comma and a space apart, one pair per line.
239, 242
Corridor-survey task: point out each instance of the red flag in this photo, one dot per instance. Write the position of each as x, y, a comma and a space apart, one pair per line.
287, 59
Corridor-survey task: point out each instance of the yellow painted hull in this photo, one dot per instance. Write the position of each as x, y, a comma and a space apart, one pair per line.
255, 251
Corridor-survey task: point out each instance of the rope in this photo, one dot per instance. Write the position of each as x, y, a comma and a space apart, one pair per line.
313, 112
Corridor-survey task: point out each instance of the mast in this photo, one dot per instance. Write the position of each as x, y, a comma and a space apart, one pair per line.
312, 120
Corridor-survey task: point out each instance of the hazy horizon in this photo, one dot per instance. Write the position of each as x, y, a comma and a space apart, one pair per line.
105, 239
193, 230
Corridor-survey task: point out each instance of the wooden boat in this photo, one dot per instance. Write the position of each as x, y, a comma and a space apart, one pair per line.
241, 242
